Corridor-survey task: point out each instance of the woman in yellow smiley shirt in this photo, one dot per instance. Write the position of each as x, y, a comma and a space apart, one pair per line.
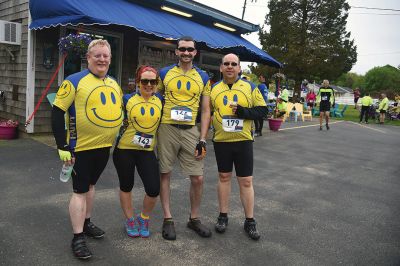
135, 149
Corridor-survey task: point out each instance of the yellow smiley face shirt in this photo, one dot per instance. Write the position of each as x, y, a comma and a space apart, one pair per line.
182, 92
94, 110
143, 121
227, 126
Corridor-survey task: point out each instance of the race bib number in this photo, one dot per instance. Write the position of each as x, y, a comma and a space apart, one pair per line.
324, 98
143, 140
180, 113
232, 124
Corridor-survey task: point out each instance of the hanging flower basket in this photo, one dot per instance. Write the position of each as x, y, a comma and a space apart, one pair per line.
74, 44
8, 129
278, 76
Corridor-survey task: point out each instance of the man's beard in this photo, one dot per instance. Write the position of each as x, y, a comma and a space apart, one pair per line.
183, 57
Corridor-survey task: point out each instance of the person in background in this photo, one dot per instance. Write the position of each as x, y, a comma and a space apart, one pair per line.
310, 99
284, 95
383, 107
280, 109
135, 149
93, 101
356, 97
263, 88
326, 99
366, 103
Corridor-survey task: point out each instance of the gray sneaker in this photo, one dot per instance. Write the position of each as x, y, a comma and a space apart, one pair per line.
222, 224
251, 229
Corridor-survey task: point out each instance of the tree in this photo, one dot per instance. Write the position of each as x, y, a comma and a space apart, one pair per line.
383, 79
309, 37
351, 80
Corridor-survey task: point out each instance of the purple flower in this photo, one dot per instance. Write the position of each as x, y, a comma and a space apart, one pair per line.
74, 43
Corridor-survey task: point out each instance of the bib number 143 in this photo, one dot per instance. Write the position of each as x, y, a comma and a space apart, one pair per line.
143, 140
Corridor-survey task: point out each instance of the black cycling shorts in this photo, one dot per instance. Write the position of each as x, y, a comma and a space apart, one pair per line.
382, 111
88, 167
325, 106
146, 163
238, 153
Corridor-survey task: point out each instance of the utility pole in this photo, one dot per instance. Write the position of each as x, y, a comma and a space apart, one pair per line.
244, 7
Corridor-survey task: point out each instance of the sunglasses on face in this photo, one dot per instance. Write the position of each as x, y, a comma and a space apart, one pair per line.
146, 81
184, 49
230, 64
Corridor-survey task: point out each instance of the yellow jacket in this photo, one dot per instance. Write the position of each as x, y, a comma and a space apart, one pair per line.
366, 101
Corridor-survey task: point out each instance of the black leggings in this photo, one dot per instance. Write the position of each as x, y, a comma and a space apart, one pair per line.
125, 161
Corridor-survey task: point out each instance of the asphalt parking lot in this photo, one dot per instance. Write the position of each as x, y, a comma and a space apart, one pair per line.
322, 198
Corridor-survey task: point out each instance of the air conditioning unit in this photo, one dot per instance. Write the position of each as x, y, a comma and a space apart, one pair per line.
10, 32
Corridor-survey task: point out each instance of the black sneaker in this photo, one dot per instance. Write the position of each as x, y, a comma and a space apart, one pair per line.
320, 127
80, 249
199, 228
93, 231
222, 224
327, 127
251, 230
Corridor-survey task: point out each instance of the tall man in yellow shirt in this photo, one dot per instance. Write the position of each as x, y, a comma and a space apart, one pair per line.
185, 88
236, 103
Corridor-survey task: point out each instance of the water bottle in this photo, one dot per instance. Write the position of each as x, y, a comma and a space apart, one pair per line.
65, 173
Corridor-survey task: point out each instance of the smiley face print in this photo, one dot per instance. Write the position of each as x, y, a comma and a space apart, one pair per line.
104, 107
64, 90
223, 100
183, 91
145, 117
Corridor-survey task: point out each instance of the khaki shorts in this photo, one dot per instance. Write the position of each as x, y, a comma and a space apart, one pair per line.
174, 142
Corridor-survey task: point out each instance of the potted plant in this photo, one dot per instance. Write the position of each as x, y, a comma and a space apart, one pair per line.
275, 120
8, 129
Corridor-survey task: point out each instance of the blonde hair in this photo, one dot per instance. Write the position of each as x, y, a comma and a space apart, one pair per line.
100, 42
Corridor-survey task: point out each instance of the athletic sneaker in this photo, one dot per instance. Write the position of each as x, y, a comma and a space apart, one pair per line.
320, 127
93, 231
222, 224
251, 229
143, 226
80, 249
131, 227
327, 127
200, 229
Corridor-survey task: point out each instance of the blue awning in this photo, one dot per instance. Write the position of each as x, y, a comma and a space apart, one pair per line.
50, 13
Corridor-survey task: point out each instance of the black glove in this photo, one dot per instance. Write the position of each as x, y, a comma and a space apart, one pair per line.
201, 149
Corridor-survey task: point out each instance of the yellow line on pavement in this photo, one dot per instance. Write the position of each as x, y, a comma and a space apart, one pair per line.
313, 125
361, 125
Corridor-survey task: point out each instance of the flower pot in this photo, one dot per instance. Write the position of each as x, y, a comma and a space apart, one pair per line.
8, 132
274, 123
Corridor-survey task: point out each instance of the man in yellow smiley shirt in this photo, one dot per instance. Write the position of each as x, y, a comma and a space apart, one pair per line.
93, 103
236, 103
185, 88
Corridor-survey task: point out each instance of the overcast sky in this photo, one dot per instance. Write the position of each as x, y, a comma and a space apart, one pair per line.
376, 34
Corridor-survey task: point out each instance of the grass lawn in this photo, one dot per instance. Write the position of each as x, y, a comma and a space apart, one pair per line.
352, 114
